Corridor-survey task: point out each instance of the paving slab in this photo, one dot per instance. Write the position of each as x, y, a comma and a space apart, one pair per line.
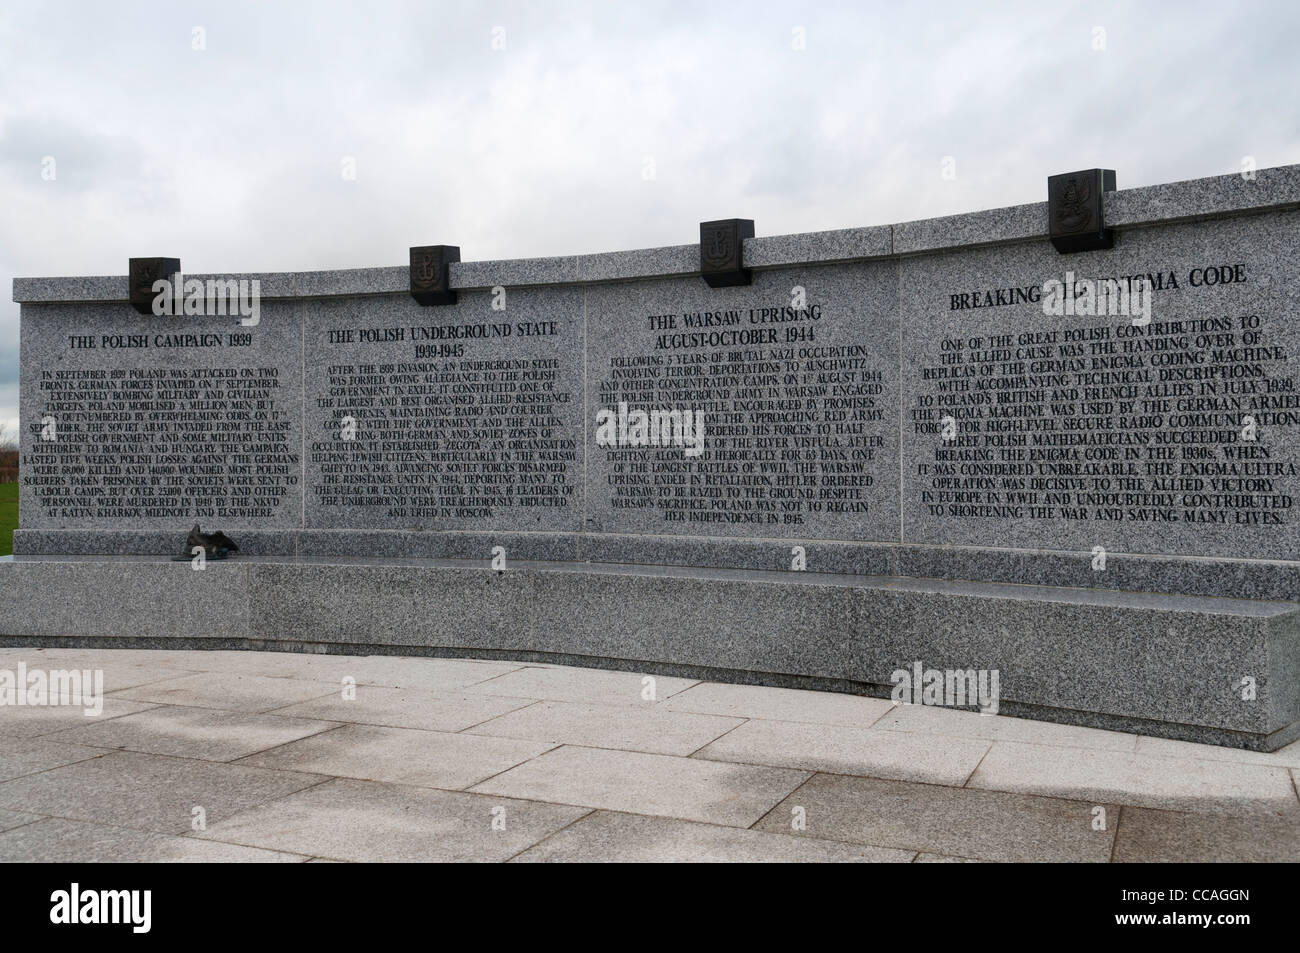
934, 720
165, 658
1150, 836
309, 666
924, 858
36, 721
650, 729
11, 819
427, 674
121, 786
840, 750
607, 837
956, 822
118, 677
117, 673
401, 756
583, 685
687, 788
780, 704
148, 792
202, 733
407, 708
61, 841
371, 822
1142, 780
230, 691
23, 756
1288, 757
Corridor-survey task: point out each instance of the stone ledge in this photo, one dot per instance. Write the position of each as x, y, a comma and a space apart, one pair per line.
1163, 665
1277, 580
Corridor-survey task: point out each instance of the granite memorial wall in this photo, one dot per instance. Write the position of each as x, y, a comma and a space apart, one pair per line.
823, 387
1093, 394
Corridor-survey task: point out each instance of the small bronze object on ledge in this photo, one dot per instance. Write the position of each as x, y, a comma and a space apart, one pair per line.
215, 545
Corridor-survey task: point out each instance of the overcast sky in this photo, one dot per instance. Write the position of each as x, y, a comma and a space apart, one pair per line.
219, 132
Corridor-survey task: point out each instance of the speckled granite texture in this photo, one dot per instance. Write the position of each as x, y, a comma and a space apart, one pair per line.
1149, 408
1157, 637
1158, 664
1228, 578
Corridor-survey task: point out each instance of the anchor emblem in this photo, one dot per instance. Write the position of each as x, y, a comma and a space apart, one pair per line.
427, 271
718, 248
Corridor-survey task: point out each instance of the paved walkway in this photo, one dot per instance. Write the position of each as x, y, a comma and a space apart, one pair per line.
247, 756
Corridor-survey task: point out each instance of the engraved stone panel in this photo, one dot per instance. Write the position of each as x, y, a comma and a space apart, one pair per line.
1080, 430
458, 417
795, 378
132, 421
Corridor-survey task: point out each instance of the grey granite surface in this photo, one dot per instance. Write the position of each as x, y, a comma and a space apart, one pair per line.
476, 433
1178, 575
113, 288
845, 244
467, 607
1170, 664
1015, 224
798, 416
1277, 187
1136, 429
1157, 640
641, 263
111, 599
139, 542
513, 273
355, 281
159, 421
866, 301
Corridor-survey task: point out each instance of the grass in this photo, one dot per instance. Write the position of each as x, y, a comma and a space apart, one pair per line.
8, 516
